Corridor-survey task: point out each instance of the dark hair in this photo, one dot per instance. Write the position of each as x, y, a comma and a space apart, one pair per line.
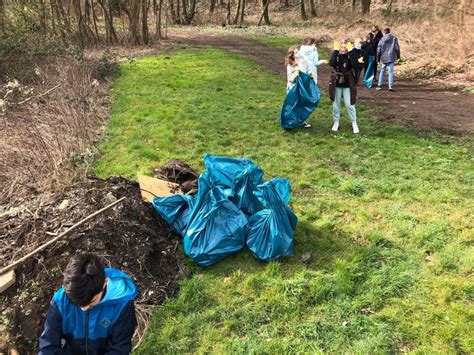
309, 41
386, 30
290, 57
370, 37
83, 278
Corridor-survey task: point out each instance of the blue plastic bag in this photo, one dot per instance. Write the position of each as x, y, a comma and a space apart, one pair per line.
217, 227
369, 73
238, 178
300, 102
271, 230
175, 210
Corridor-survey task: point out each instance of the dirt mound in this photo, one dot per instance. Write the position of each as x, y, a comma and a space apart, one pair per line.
130, 236
180, 172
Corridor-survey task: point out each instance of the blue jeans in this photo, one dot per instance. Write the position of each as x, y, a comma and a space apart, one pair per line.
390, 74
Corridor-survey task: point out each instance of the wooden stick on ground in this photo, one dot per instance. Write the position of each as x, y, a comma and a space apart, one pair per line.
40, 95
66, 232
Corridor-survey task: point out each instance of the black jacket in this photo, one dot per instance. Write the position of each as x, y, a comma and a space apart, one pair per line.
368, 48
342, 75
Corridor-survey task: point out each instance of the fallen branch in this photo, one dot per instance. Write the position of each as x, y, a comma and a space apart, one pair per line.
38, 96
66, 232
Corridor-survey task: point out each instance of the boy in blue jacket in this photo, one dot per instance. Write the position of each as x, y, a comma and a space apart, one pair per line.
93, 313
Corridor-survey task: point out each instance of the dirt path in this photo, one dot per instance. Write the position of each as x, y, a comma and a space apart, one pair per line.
423, 107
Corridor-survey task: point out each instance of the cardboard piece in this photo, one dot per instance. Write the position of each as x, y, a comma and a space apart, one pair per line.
151, 187
6, 280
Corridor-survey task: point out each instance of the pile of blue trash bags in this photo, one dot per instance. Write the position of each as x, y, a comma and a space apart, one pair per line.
234, 207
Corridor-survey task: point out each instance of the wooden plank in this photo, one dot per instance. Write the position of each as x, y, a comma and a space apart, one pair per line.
151, 187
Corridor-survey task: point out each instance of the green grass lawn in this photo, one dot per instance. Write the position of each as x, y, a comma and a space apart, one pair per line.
386, 216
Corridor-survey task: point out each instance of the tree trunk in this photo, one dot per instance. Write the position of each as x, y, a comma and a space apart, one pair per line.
265, 17
178, 12
43, 17
237, 14
366, 6
242, 13
213, 6
2, 16
110, 33
312, 8
229, 15
145, 32
173, 12
388, 11
304, 17
134, 17
159, 36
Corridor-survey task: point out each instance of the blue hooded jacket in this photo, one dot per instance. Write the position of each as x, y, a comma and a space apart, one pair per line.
106, 328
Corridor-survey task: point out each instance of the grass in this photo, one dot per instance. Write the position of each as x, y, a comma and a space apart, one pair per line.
386, 216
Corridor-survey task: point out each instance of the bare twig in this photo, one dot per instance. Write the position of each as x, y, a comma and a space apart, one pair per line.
40, 95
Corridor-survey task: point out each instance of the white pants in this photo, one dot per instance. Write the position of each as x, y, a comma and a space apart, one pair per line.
344, 93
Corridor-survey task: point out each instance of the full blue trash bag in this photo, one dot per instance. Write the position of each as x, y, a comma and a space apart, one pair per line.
300, 102
216, 228
369, 73
175, 210
238, 178
271, 230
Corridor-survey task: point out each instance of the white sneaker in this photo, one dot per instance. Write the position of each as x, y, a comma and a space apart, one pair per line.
378, 88
306, 125
335, 127
355, 128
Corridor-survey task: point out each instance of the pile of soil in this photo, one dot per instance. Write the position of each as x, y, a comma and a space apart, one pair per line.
130, 236
178, 171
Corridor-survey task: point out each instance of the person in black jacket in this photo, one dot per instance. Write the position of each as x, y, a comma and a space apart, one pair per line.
377, 34
357, 58
93, 313
369, 50
342, 85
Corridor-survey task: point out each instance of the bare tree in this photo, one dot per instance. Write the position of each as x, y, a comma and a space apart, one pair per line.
242, 13
366, 6
312, 8
265, 17
229, 15
145, 32
134, 19
212, 6
304, 17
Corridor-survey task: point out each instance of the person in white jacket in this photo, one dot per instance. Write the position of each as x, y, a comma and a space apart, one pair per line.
295, 63
310, 53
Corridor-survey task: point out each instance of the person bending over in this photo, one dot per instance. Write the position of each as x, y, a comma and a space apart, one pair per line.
93, 313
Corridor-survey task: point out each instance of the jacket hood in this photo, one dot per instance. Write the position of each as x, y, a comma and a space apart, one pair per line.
389, 37
307, 49
120, 288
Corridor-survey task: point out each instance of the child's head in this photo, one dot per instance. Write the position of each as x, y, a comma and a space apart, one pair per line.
343, 48
369, 37
291, 56
309, 41
358, 43
84, 280
386, 30
375, 28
